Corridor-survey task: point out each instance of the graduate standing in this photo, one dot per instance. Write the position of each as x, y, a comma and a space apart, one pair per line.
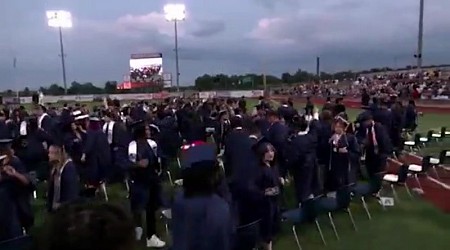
145, 184
15, 194
269, 183
64, 180
344, 151
201, 219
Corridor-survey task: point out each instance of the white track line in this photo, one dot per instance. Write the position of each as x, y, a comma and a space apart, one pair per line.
441, 184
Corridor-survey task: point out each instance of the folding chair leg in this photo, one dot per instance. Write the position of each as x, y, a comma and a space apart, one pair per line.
179, 162
351, 218
296, 237
333, 226
365, 207
407, 190
436, 173
169, 175
166, 225
418, 181
320, 232
104, 191
127, 184
394, 193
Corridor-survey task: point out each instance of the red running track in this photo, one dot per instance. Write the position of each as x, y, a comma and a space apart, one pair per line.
436, 190
436, 106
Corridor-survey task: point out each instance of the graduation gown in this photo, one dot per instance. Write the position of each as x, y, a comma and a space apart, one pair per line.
302, 162
118, 140
377, 151
69, 185
201, 223
343, 166
277, 136
98, 157
269, 208
15, 206
145, 188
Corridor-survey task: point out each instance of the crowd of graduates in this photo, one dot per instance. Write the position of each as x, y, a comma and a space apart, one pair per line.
235, 163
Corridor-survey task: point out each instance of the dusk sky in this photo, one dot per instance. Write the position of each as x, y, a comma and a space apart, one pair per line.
218, 36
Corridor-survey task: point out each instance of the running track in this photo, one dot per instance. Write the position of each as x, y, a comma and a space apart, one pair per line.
436, 188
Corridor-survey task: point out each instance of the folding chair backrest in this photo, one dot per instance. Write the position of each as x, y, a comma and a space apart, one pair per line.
375, 183
429, 134
443, 131
426, 163
403, 173
443, 156
19, 243
343, 196
309, 209
417, 138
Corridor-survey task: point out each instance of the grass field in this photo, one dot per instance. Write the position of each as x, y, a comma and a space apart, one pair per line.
411, 224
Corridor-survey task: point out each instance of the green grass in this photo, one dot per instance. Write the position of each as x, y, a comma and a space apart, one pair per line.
411, 224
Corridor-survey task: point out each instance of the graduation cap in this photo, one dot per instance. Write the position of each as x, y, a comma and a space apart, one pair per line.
214, 115
154, 128
222, 113
94, 118
138, 125
78, 115
196, 153
365, 116
5, 144
260, 144
340, 119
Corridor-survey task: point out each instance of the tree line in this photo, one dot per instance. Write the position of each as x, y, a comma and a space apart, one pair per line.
209, 82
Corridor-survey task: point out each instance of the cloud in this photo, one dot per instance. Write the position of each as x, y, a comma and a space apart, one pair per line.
272, 4
346, 24
208, 28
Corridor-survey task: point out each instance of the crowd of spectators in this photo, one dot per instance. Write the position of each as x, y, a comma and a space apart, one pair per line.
405, 85
144, 74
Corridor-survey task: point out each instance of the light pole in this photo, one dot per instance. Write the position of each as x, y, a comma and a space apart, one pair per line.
60, 19
418, 56
176, 13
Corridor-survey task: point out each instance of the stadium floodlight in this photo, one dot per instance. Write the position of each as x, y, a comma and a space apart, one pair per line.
62, 20
175, 13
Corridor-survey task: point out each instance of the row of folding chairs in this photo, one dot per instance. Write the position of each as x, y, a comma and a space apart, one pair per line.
419, 141
310, 210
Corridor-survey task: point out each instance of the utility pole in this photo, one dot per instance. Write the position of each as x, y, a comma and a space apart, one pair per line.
418, 56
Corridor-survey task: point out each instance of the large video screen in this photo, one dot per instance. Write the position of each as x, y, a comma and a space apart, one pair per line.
146, 68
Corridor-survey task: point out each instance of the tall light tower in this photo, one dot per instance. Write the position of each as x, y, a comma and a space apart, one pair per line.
418, 56
62, 20
176, 13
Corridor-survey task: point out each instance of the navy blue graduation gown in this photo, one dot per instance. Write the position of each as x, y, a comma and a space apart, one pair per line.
323, 135
302, 164
201, 223
74, 146
410, 117
15, 206
277, 136
376, 156
343, 166
145, 188
170, 140
98, 157
269, 207
70, 186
